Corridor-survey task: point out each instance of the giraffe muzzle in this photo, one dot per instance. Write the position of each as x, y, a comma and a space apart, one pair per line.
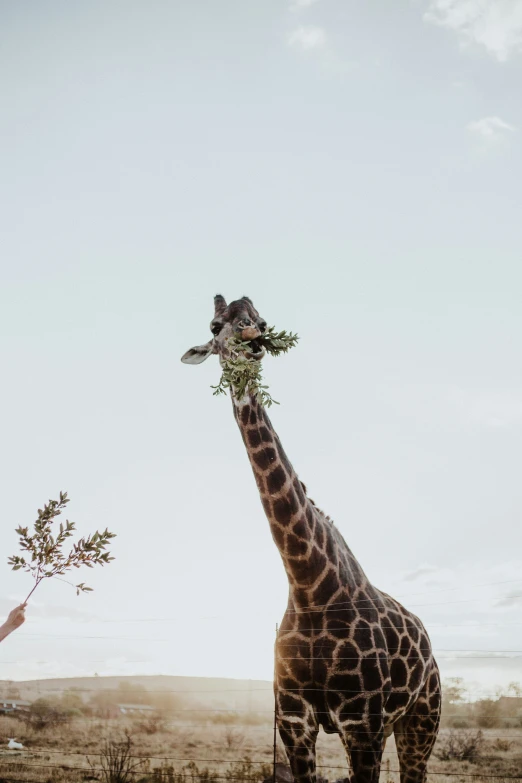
251, 335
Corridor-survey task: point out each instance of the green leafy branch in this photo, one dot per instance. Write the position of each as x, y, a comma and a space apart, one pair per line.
44, 558
277, 342
242, 374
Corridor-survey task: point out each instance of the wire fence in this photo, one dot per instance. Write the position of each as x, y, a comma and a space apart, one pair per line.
48, 760
200, 717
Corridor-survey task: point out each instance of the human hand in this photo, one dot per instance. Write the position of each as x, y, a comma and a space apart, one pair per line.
16, 617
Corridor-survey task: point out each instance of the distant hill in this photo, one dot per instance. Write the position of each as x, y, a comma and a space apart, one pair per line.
218, 693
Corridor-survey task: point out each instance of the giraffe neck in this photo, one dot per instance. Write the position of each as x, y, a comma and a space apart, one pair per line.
307, 540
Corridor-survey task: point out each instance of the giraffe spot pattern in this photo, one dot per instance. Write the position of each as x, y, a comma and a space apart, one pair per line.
349, 657
276, 480
263, 459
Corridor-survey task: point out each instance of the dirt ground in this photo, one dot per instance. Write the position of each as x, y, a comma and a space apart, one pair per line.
189, 751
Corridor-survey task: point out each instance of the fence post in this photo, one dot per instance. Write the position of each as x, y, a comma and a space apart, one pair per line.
275, 703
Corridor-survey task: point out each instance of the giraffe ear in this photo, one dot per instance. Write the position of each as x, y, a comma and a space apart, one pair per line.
198, 354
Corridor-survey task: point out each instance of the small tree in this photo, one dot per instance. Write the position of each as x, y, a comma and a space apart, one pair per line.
460, 746
46, 713
453, 691
131, 693
117, 762
233, 737
71, 700
487, 713
46, 557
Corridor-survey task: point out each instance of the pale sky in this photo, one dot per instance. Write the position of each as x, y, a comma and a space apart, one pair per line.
353, 167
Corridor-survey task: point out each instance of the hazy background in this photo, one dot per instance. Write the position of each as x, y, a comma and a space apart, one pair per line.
353, 167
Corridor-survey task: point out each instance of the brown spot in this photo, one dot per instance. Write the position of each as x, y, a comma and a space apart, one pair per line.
291, 704
265, 435
415, 676
254, 438
263, 459
276, 480
298, 486
397, 700
300, 528
371, 674
348, 656
413, 630
353, 707
405, 647
295, 547
326, 588
245, 413
331, 547
362, 635
397, 620
319, 533
283, 510
392, 639
282, 456
398, 673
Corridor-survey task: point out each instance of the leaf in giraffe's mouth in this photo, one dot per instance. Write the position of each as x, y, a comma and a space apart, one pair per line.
276, 343
255, 347
241, 370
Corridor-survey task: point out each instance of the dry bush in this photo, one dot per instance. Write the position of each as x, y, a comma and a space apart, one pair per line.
243, 770
225, 718
459, 723
460, 746
151, 725
487, 713
502, 745
117, 762
233, 738
48, 713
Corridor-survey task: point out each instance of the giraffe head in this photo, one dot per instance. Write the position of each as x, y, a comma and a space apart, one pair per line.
229, 321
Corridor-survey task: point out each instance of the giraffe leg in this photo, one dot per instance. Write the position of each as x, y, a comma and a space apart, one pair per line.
416, 732
365, 749
299, 737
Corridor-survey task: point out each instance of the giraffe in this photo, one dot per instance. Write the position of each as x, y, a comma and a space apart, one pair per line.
349, 657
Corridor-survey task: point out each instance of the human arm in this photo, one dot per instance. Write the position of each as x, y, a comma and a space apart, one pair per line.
15, 619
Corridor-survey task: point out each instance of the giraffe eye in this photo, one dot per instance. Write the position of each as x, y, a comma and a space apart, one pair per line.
216, 328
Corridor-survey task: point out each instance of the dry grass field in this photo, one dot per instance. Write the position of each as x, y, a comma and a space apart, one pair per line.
192, 749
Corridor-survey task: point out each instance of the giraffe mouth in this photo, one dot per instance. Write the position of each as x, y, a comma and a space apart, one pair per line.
257, 350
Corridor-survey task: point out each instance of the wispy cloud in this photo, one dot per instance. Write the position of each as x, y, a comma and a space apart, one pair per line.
307, 38
513, 598
490, 128
422, 570
297, 5
494, 24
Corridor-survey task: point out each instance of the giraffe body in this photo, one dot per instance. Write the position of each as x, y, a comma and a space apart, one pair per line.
349, 657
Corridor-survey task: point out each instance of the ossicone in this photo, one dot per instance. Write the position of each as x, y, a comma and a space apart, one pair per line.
220, 305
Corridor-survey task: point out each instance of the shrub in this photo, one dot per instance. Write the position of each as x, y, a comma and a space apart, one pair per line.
45, 713
243, 770
459, 723
487, 713
225, 718
460, 746
233, 738
502, 745
152, 724
117, 761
